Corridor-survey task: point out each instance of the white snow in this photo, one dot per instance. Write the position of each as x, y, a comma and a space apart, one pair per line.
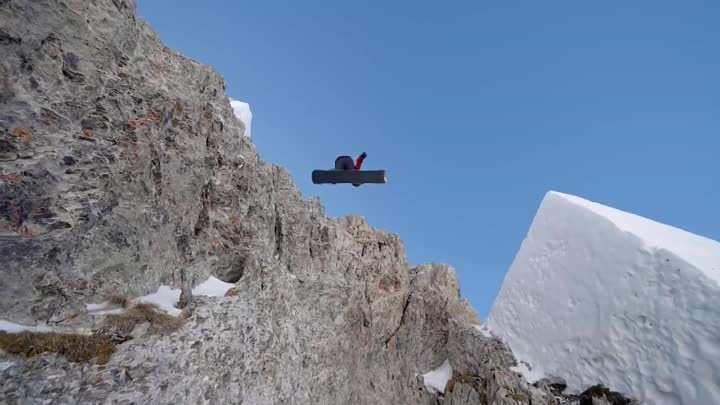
243, 113
103, 309
436, 380
701, 252
597, 295
10, 327
213, 287
166, 298
95, 307
484, 330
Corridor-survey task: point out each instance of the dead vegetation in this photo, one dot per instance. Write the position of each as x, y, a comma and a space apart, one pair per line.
22, 133
159, 323
98, 347
118, 300
76, 348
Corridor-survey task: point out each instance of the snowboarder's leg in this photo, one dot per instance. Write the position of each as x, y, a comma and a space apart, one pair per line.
344, 163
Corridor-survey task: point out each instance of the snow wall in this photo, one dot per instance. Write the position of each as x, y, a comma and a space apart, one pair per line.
597, 295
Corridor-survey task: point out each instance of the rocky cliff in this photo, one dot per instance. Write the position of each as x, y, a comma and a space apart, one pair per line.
123, 168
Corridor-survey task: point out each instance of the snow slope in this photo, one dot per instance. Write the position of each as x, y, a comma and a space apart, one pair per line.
597, 295
243, 113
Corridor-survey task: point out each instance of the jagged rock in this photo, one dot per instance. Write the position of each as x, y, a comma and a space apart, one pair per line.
470, 352
599, 395
186, 297
140, 330
461, 392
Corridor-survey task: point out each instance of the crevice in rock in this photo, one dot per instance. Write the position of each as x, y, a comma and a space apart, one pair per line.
7, 39
278, 233
156, 172
69, 68
203, 216
234, 271
402, 320
367, 300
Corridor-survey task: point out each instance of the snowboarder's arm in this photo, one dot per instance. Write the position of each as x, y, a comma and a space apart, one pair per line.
359, 162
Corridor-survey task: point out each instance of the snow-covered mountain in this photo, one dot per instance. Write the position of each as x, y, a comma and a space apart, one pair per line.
600, 295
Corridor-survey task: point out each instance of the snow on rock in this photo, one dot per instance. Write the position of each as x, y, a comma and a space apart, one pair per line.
104, 308
597, 295
484, 330
436, 380
212, 287
243, 113
9, 327
523, 369
166, 298
96, 307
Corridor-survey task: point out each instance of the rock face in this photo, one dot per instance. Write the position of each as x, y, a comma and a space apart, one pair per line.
123, 168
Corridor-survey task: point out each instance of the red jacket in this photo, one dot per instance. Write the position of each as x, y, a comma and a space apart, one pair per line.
359, 161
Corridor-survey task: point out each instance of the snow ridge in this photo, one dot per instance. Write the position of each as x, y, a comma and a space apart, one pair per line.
699, 251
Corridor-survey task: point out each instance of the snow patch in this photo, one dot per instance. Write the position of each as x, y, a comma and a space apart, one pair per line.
436, 380
165, 298
103, 309
96, 307
484, 330
4, 365
9, 327
599, 296
113, 311
242, 113
212, 287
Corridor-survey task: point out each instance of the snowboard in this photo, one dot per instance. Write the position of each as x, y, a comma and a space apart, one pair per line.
349, 176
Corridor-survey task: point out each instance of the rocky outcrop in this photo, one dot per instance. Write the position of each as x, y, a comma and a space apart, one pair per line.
122, 168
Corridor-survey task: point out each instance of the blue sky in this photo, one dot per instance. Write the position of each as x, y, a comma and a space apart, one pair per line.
476, 109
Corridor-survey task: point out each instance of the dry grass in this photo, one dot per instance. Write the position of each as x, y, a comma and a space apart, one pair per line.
76, 348
160, 323
91, 348
23, 133
118, 300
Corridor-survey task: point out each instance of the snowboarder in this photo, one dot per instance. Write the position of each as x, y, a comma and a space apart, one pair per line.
348, 170
347, 163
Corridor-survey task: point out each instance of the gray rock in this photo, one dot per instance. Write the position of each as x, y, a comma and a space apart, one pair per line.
8, 156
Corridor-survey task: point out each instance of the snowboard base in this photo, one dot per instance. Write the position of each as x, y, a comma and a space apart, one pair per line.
349, 176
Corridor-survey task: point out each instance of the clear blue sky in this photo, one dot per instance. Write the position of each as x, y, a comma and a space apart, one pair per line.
476, 109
